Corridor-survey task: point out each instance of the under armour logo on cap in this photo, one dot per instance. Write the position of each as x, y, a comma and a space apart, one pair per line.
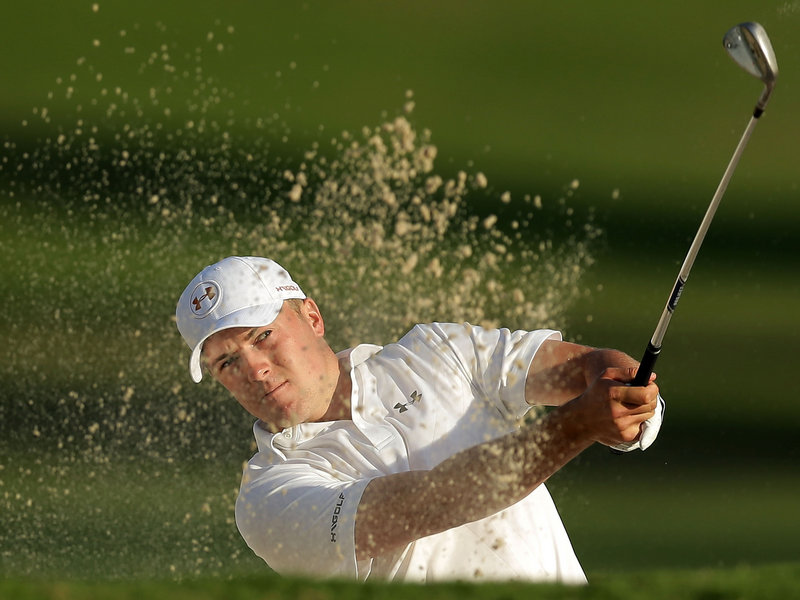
205, 297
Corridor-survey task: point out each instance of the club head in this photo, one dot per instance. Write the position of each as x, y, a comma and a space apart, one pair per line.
749, 45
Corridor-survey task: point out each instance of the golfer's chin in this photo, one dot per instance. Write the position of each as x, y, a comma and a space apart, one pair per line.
284, 408
275, 424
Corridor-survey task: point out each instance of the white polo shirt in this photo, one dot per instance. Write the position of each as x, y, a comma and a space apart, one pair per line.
441, 389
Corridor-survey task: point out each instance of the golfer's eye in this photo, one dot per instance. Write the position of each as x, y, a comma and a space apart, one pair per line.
263, 335
224, 364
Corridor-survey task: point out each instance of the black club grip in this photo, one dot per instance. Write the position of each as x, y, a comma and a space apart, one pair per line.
646, 366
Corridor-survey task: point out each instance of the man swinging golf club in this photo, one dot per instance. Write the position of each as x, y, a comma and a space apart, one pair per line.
410, 461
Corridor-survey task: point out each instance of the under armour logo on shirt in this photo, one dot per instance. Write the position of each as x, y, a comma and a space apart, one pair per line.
403, 407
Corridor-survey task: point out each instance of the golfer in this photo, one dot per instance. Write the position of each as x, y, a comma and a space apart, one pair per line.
412, 461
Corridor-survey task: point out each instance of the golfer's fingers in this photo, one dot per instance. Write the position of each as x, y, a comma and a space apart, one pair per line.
638, 400
648, 407
623, 374
622, 392
630, 423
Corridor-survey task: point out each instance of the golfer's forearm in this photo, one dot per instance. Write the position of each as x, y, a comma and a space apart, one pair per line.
562, 371
475, 483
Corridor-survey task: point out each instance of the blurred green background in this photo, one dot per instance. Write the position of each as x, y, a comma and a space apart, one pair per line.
638, 102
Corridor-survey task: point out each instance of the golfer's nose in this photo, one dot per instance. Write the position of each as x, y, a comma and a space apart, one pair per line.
257, 366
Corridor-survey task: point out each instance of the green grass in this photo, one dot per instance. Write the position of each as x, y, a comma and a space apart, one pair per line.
661, 511
762, 583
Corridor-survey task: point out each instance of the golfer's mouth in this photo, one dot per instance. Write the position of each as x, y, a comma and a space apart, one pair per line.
271, 393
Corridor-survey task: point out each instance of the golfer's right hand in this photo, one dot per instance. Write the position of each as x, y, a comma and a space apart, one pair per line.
611, 410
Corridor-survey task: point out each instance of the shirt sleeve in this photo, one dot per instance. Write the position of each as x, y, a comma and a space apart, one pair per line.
298, 519
495, 360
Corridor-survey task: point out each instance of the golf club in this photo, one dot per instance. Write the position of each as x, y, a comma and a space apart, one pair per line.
750, 47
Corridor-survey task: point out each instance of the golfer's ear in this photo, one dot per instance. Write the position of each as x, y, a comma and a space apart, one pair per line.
314, 316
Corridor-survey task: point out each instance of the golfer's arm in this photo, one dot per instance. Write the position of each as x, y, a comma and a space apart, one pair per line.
398, 509
561, 371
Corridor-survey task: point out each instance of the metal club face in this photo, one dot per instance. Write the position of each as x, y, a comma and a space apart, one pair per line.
749, 45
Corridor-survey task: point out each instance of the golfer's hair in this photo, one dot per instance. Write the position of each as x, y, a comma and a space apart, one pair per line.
296, 304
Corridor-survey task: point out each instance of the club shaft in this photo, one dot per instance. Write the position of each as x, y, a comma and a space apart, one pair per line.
654, 347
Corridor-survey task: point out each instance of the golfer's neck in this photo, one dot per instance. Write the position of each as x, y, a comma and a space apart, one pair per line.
339, 408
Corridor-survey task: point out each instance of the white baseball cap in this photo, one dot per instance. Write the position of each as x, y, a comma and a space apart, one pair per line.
238, 291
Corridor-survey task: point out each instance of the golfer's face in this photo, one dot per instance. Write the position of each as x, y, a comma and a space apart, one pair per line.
276, 372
